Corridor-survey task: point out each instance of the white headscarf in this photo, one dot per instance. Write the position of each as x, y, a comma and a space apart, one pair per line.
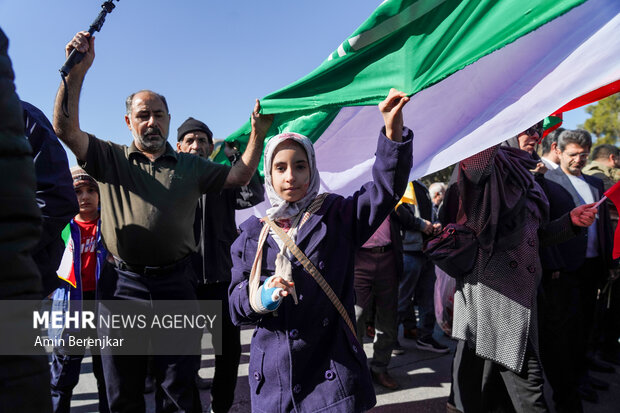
279, 207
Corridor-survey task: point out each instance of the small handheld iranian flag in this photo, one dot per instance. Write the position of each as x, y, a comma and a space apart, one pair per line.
551, 123
66, 271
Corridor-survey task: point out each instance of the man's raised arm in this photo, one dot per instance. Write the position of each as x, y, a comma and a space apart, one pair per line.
241, 172
67, 128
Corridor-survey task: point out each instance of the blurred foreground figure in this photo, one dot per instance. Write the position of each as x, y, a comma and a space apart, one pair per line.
24, 380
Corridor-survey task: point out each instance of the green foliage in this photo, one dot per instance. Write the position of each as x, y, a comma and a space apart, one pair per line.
605, 120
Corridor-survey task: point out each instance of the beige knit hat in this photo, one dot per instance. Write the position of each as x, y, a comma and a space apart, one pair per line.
80, 178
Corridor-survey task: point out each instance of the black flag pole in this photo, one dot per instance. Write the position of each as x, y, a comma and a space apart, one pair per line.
76, 57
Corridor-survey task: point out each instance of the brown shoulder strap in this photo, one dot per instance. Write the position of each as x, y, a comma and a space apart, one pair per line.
301, 257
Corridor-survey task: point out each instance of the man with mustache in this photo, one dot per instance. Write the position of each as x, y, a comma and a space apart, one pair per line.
149, 195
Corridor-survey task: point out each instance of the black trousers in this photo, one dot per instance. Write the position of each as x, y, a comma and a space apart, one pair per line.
568, 310
482, 386
610, 324
227, 362
589, 276
174, 374
559, 327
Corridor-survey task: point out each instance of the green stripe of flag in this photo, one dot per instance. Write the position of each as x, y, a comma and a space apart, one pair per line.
406, 44
66, 234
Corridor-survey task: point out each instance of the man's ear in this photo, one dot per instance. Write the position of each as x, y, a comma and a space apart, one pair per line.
178, 146
128, 121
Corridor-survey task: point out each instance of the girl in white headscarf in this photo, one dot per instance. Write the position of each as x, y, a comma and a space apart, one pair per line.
304, 354
297, 181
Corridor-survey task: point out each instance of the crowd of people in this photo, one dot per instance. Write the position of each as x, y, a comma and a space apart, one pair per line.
319, 272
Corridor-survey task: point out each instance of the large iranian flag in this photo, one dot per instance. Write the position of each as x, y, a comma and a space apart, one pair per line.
479, 71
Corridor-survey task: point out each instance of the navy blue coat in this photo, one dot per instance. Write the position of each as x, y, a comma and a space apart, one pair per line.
303, 357
55, 194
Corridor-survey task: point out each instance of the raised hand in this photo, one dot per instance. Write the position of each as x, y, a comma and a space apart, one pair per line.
260, 122
83, 42
391, 109
242, 171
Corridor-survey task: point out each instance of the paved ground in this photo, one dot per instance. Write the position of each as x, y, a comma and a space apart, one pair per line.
424, 377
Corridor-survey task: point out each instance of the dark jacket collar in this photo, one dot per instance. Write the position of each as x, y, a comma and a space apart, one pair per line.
559, 176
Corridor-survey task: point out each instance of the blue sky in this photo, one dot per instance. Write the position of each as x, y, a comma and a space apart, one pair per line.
210, 59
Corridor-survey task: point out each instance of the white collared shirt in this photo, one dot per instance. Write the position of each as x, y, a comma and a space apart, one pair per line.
549, 164
584, 191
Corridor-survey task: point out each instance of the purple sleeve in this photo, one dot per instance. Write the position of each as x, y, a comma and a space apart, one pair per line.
373, 202
238, 293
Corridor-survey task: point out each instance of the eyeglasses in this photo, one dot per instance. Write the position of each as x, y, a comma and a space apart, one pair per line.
582, 155
536, 129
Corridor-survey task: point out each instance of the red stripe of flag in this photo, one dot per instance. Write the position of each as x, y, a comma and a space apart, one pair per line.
554, 121
590, 97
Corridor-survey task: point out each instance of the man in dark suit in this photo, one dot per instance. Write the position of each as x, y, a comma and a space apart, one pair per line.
587, 257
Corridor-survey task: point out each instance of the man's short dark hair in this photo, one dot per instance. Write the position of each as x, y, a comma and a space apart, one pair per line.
603, 151
549, 139
578, 136
129, 100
